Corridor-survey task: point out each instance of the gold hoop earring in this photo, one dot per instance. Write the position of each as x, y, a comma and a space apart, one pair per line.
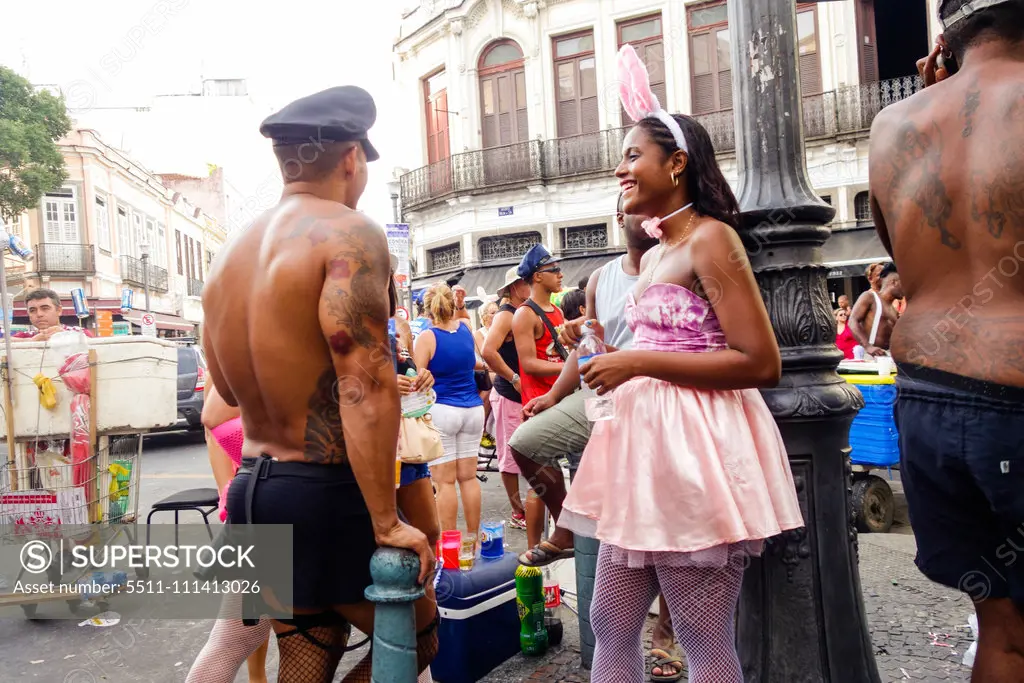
675, 180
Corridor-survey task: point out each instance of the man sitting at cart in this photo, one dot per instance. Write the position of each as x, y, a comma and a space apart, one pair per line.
44, 311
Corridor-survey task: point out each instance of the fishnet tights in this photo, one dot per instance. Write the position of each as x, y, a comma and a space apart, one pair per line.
229, 645
304, 661
426, 650
701, 600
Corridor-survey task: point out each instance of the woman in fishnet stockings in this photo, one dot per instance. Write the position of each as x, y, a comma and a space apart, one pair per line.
691, 475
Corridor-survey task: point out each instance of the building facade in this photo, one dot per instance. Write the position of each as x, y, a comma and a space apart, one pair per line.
94, 232
520, 126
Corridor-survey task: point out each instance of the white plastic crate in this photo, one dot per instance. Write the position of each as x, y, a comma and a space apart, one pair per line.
137, 386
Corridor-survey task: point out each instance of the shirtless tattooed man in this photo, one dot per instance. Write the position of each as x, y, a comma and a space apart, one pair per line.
947, 185
296, 316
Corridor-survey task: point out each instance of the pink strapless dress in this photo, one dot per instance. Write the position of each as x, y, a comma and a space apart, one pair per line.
683, 475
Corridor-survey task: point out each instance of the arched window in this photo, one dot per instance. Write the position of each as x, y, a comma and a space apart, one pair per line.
862, 208
503, 94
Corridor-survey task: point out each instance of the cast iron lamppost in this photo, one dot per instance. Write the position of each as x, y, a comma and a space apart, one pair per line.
801, 614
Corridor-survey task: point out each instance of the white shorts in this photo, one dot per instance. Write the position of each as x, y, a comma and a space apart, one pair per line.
461, 429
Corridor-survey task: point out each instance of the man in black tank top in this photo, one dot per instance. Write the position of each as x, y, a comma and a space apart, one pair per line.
499, 352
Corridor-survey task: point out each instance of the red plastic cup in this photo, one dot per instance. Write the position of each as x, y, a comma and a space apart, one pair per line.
451, 543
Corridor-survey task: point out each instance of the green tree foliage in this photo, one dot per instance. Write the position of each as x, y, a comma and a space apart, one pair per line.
31, 164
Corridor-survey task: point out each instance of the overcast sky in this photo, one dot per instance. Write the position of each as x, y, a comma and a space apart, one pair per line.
122, 53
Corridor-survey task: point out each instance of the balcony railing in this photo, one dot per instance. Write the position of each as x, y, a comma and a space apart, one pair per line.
195, 287
846, 110
132, 272
58, 258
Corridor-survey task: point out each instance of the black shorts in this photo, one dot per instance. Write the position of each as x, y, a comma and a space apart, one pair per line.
962, 466
332, 536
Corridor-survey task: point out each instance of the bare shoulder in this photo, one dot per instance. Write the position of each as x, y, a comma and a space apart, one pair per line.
714, 240
328, 225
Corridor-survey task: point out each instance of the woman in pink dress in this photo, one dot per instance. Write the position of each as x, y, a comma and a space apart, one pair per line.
691, 476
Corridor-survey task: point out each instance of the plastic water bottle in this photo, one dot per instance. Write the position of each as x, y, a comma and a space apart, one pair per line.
416, 404
597, 407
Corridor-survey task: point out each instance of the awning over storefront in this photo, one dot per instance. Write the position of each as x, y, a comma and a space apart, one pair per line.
848, 252
163, 321
69, 306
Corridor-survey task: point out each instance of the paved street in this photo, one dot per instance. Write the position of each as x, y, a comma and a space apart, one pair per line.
903, 610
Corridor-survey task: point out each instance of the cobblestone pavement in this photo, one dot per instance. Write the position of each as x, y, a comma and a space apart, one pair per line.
918, 628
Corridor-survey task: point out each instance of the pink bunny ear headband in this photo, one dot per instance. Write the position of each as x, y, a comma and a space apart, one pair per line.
640, 102
638, 99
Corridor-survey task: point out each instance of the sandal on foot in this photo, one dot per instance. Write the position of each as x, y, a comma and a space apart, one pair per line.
660, 660
544, 553
517, 522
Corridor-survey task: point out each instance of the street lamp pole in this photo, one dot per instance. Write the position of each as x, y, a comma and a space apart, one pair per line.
144, 254
801, 611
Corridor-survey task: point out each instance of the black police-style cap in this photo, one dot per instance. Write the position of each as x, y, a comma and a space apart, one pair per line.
534, 260
341, 114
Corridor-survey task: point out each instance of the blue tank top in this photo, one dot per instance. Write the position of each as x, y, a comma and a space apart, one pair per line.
452, 367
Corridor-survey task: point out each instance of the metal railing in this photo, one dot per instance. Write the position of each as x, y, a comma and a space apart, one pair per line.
195, 287
54, 257
133, 273
845, 110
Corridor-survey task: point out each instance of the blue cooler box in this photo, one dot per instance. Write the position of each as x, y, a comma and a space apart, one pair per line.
479, 621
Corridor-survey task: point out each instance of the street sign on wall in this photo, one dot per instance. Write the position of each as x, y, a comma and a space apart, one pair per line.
148, 324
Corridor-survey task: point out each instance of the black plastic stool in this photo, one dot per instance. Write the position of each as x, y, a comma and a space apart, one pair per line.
192, 499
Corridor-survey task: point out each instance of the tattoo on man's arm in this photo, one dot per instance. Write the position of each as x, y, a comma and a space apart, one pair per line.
355, 299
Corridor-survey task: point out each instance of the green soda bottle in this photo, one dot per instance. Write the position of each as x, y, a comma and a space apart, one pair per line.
533, 636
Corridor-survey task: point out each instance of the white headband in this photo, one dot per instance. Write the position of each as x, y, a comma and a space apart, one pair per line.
639, 100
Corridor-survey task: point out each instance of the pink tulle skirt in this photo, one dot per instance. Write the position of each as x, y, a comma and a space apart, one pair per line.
683, 476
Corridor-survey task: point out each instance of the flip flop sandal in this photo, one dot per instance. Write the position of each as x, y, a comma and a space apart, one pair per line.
543, 554
659, 660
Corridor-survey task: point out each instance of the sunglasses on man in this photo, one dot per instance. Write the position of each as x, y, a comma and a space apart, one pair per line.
552, 269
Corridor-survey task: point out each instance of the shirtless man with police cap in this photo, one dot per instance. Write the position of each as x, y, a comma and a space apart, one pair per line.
296, 335
947, 181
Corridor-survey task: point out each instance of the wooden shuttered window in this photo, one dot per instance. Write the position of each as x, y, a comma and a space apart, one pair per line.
576, 84
645, 35
436, 107
711, 55
503, 109
808, 49
710, 58
867, 41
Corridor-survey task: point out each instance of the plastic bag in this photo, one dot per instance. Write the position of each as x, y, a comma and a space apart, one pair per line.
972, 622
55, 471
80, 438
75, 373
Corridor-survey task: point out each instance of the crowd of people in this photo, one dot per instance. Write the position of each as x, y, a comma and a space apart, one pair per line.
691, 476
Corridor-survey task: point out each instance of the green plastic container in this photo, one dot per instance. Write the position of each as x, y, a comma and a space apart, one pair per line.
533, 635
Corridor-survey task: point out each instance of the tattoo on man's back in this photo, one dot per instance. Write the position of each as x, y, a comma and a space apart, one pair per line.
917, 165
971, 103
325, 443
